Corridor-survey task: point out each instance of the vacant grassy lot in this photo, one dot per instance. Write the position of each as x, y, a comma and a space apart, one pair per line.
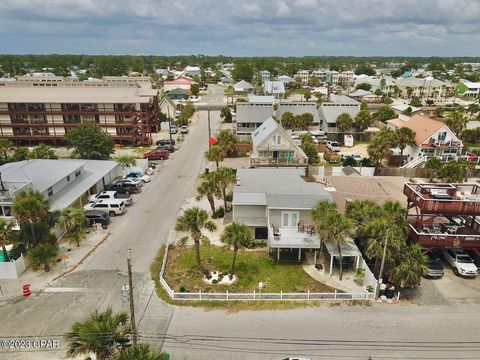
251, 268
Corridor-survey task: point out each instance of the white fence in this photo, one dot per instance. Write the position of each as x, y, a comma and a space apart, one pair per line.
259, 296
322, 171
13, 269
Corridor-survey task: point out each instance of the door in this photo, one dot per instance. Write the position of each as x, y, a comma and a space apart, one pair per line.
289, 219
275, 155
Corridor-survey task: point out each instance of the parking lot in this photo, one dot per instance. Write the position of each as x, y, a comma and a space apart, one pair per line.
448, 290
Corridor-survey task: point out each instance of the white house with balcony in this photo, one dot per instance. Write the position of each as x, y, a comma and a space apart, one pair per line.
273, 146
303, 75
275, 203
432, 138
264, 75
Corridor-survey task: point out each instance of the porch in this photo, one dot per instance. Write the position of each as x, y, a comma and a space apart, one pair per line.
292, 238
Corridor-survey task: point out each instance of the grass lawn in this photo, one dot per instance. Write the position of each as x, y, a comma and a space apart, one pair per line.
251, 268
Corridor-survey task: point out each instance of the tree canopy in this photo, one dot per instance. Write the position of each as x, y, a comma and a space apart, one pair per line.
89, 141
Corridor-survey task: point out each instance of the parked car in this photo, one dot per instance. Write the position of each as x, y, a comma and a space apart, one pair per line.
112, 195
356, 157
157, 154
173, 129
97, 217
435, 268
331, 156
113, 207
138, 175
133, 181
184, 129
124, 188
333, 145
461, 262
168, 147
165, 142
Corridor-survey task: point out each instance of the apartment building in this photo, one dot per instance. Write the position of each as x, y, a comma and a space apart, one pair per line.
34, 109
469, 89
303, 75
264, 75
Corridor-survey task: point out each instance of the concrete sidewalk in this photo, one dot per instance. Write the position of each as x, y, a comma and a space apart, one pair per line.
39, 280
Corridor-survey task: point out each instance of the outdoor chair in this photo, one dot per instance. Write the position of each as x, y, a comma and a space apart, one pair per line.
276, 232
301, 225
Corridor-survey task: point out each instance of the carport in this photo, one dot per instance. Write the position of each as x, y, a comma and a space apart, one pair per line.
348, 249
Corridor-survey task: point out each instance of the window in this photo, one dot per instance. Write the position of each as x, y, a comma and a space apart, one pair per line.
68, 178
277, 139
442, 135
101, 206
50, 191
77, 173
114, 206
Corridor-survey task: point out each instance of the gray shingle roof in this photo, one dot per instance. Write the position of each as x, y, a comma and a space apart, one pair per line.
330, 113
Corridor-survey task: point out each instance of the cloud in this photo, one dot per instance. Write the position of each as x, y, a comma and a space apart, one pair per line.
283, 27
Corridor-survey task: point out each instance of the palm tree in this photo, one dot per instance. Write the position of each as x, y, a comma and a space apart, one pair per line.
73, 220
224, 177
215, 154
30, 208
411, 266
396, 213
363, 120
140, 352
101, 333
5, 146
7, 236
344, 122
363, 212
385, 240
43, 151
321, 209
473, 109
456, 121
209, 189
193, 221
335, 228
126, 161
433, 165
43, 255
404, 137
239, 236
227, 142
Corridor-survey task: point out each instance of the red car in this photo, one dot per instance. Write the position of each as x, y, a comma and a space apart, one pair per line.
158, 154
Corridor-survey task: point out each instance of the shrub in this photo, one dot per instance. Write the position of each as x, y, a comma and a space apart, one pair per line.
219, 213
214, 281
183, 289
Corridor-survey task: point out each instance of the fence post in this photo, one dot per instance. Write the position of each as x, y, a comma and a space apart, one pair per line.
200, 294
398, 296
254, 295
335, 294
227, 295
173, 295
353, 294
281, 295
308, 294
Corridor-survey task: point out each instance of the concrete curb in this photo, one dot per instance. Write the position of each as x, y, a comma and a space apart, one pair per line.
72, 268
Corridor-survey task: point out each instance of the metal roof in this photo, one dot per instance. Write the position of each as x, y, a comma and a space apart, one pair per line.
261, 99
348, 248
283, 187
299, 108
331, 113
264, 131
240, 198
75, 95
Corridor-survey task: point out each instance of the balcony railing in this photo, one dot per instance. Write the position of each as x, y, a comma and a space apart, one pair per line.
291, 238
466, 238
448, 199
269, 161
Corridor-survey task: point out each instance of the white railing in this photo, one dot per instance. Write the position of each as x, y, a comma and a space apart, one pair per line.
259, 296
415, 162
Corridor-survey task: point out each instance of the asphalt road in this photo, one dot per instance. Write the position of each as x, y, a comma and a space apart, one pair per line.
98, 281
449, 331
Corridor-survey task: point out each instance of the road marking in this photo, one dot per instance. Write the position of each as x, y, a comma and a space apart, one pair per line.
65, 290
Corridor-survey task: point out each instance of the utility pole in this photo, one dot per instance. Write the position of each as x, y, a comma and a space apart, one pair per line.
209, 130
382, 265
169, 126
132, 307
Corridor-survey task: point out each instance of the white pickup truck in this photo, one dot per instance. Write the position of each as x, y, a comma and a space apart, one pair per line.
111, 195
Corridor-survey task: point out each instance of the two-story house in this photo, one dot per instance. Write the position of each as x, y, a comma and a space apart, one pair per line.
274, 88
252, 113
275, 203
432, 138
272, 145
338, 104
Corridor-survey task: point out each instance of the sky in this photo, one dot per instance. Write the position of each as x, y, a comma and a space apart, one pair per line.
241, 28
